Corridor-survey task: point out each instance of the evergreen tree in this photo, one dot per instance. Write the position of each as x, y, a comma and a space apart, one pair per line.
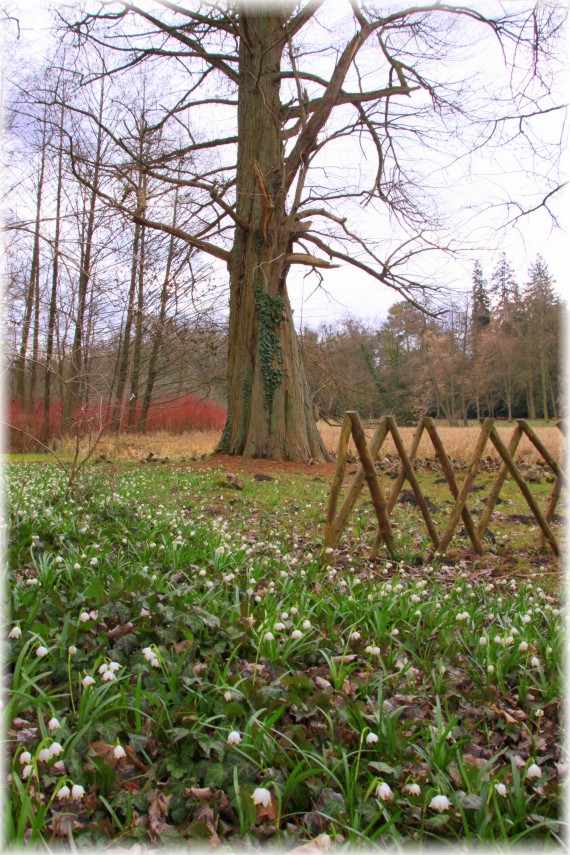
481, 304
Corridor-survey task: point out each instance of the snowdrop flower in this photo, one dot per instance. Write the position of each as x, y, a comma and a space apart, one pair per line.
269, 636
155, 662
15, 632
55, 749
523, 646
27, 771
84, 617
44, 755
148, 653
498, 640
395, 631
483, 641
535, 661
228, 696
119, 752
234, 738
108, 676
284, 615
374, 651
440, 803
63, 792
24, 757
87, 681
501, 789
102, 669
278, 627
412, 789
414, 598
371, 738
72, 649
294, 610
354, 636
77, 791
114, 666
533, 771
462, 616
384, 792
31, 582
261, 796
519, 762
53, 724
526, 619
296, 634
77, 566
306, 624
41, 651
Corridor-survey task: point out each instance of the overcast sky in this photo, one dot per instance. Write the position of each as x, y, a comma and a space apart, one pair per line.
347, 292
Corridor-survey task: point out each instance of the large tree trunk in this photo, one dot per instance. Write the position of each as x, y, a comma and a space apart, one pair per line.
269, 403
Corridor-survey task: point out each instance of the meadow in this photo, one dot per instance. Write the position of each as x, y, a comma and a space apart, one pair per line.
188, 666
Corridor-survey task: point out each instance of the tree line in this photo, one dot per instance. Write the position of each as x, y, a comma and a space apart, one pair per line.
168, 167
494, 353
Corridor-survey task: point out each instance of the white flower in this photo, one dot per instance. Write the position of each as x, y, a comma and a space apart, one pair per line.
483, 641
278, 627
518, 761
371, 738
15, 632
526, 619
44, 755
27, 771
284, 615
268, 636
93, 614
395, 631
102, 669
384, 792
412, 789
294, 610
490, 669
501, 789
228, 696
148, 653
296, 634
523, 646
354, 636
55, 749
53, 724
84, 617
374, 651
306, 624
119, 752
87, 681
108, 676
77, 566
24, 757
114, 666
535, 661
533, 771
72, 649
63, 792
154, 662
261, 796
234, 738
41, 651
440, 803
77, 791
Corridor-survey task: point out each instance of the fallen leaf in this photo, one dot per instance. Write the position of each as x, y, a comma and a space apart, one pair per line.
157, 812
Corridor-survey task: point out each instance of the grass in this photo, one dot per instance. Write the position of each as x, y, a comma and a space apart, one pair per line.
337, 679
459, 443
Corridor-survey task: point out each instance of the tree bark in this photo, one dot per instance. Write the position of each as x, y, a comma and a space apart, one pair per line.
269, 403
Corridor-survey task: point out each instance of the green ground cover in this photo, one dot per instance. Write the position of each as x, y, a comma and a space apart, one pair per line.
184, 668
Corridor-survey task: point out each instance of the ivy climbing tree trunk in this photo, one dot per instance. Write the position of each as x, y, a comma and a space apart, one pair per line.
270, 410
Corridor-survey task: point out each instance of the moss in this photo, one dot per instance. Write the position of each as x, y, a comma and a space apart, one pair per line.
270, 311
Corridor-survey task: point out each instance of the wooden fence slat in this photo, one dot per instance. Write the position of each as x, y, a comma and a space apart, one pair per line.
353, 493
341, 457
472, 470
441, 455
523, 487
397, 487
498, 483
376, 494
542, 449
557, 488
411, 476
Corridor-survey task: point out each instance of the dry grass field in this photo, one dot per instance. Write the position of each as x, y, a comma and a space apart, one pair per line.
459, 443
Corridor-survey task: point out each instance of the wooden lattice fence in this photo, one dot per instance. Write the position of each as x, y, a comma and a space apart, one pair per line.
383, 504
